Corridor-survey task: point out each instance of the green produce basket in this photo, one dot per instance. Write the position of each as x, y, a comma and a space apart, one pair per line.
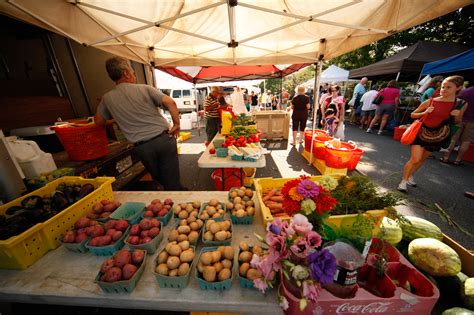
109, 249
221, 218
222, 152
236, 157
166, 218
123, 286
246, 283
190, 243
76, 247
175, 282
129, 211
216, 286
215, 243
149, 247
243, 220
191, 202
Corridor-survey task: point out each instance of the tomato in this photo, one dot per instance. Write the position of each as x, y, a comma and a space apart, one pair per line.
250, 140
243, 143
230, 138
224, 145
212, 151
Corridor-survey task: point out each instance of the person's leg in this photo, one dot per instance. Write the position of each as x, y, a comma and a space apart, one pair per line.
452, 144
373, 122
465, 145
294, 127
211, 128
363, 119
370, 117
426, 154
385, 118
466, 137
418, 156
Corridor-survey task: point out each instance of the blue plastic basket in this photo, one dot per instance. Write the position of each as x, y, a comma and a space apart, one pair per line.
123, 286
130, 211
222, 152
237, 157
216, 286
149, 247
221, 218
243, 220
179, 282
109, 249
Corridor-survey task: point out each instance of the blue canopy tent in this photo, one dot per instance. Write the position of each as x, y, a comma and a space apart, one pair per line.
461, 64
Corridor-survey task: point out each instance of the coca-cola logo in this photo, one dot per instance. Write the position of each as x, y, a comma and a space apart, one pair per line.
375, 307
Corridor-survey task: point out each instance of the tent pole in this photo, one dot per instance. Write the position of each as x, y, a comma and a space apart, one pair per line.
398, 76
317, 76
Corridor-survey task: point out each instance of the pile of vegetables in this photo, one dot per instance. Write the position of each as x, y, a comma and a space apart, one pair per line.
36, 209
243, 120
242, 131
240, 141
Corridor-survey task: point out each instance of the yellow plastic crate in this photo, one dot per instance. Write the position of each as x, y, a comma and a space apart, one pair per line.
183, 136
21, 251
321, 166
262, 184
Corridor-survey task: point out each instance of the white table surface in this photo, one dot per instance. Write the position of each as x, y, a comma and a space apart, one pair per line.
62, 277
208, 160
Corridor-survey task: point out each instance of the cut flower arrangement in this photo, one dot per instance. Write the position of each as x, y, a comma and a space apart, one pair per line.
293, 251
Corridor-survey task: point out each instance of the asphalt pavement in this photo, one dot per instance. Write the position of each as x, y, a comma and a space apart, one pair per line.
437, 183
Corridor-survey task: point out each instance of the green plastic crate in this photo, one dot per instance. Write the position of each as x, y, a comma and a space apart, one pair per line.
216, 286
175, 282
123, 286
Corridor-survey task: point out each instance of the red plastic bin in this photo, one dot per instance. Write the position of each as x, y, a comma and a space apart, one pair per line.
308, 136
83, 143
355, 158
339, 158
319, 146
231, 178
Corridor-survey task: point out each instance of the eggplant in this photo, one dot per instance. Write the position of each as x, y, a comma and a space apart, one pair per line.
32, 202
3, 220
76, 192
13, 210
59, 201
85, 190
69, 194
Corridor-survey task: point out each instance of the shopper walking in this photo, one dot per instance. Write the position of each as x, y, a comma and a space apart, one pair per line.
388, 106
299, 118
359, 90
434, 84
437, 113
368, 107
212, 114
465, 134
335, 102
134, 108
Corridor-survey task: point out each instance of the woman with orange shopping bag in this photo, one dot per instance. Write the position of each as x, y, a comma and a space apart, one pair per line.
436, 115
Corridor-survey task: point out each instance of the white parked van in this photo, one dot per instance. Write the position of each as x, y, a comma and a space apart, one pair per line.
185, 99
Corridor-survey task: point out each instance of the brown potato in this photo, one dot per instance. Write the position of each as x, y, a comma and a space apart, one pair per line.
193, 236
200, 222
208, 224
216, 256
162, 269
213, 202
209, 273
224, 274
229, 205
184, 229
227, 263
182, 237
168, 246
183, 269
245, 256
173, 273
206, 258
187, 255
184, 245
218, 266
173, 235
229, 252
183, 222
196, 204
176, 209
174, 250
253, 274
220, 236
243, 246
183, 214
243, 269
215, 227
257, 250
173, 262
208, 236
194, 226
250, 211
189, 208
162, 257
200, 267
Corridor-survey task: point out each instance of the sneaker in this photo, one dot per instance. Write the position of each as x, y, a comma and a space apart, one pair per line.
369, 130
411, 182
379, 132
402, 186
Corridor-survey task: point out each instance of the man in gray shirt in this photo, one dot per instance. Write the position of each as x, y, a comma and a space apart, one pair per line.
134, 108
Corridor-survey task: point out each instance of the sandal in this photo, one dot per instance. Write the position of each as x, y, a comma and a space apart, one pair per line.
458, 163
443, 160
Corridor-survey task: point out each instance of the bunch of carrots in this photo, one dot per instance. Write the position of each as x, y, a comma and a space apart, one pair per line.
273, 199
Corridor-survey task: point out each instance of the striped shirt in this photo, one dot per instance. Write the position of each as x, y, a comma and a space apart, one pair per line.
211, 107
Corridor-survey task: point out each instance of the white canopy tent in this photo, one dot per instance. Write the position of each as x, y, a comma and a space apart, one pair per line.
331, 74
171, 33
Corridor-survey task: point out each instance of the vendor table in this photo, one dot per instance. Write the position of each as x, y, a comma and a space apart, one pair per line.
62, 277
208, 160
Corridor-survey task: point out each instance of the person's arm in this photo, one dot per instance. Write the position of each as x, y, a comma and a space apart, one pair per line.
102, 114
99, 120
422, 110
170, 104
459, 113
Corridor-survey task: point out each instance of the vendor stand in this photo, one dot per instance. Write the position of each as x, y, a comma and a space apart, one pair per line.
66, 278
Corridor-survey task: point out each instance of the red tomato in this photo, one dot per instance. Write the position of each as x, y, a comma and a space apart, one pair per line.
212, 151
249, 140
224, 145
230, 137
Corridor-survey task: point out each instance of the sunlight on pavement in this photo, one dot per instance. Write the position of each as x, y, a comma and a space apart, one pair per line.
192, 148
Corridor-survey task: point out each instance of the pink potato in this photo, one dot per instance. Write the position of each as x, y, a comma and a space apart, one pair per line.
113, 274
168, 202
145, 224
128, 271
137, 256
109, 225
106, 265
154, 231
69, 237
155, 223
133, 240
116, 236
82, 223
148, 214
121, 225
80, 237
122, 257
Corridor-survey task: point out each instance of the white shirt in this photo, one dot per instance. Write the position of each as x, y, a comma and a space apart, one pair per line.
368, 100
238, 105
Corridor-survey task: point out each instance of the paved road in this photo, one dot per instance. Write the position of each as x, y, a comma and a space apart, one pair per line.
443, 184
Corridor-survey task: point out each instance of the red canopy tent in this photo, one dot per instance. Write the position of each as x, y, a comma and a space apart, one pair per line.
231, 73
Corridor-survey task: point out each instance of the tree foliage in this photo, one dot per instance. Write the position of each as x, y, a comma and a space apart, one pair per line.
456, 27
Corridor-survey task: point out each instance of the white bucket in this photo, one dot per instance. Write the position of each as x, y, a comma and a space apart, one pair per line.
31, 159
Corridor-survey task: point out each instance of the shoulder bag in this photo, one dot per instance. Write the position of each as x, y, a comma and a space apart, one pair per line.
441, 133
378, 99
412, 132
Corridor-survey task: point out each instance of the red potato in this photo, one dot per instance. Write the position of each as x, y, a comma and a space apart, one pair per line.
162, 213
149, 207
133, 240
121, 225
157, 207
109, 225
69, 237
97, 230
82, 230
111, 207
122, 257
102, 278
155, 201
145, 224
148, 214
117, 203
128, 271
80, 237
135, 229
146, 240
168, 202
106, 240
155, 223
82, 223
113, 274
154, 231
137, 256
98, 208
95, 241
93, 216
104, 215
144, 234
106, 265
116, 236
104, 202
167, 207
110, 232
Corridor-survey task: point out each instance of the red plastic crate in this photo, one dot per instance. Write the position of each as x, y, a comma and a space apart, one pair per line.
469, 155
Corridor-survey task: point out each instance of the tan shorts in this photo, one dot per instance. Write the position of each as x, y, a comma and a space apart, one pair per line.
467, 132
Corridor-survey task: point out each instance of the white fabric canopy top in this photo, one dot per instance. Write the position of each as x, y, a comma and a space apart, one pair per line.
232, 32
331, 74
